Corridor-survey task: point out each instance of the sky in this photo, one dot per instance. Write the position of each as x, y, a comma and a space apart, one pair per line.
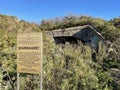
36, 10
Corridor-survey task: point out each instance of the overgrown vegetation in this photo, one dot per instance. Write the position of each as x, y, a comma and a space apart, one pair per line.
64, 68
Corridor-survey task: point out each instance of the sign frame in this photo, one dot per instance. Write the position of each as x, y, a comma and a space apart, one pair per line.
40, 39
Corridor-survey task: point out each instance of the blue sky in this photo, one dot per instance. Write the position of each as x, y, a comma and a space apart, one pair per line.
36, 10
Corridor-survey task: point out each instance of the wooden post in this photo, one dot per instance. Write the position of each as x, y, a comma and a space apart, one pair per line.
41, 62
18, 85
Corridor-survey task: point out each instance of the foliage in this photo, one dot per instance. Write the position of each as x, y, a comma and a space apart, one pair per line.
65, 67
116, 22
107, 29
68, 70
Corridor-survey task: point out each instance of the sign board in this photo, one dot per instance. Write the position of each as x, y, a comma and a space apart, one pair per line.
29, 53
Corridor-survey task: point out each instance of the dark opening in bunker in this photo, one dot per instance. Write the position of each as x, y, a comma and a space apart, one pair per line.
64, 39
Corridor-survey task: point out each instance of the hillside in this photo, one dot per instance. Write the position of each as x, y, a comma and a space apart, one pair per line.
68, 68
107, 28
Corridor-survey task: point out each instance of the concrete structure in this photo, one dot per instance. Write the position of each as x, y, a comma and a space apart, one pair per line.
86, 34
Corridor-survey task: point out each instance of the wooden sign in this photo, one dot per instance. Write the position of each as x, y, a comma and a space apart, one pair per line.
29, 53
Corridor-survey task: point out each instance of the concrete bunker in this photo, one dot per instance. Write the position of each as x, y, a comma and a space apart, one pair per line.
86, 34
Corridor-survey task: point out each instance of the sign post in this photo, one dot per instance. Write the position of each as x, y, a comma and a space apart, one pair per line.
41, 62
18, 87
29, 54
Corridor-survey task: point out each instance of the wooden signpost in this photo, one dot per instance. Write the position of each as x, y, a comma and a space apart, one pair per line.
29, 54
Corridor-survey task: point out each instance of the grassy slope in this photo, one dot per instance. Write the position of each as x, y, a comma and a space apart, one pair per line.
77, 75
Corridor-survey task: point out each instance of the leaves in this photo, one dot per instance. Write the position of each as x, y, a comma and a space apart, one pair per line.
66, 67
